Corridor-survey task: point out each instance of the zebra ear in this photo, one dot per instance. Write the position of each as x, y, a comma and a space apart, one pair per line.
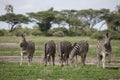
107, 35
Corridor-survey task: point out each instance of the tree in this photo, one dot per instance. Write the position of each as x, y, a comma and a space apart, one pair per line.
72, 19
118, 8
44, 19
9, 9
113, 21
92, 17
14, 19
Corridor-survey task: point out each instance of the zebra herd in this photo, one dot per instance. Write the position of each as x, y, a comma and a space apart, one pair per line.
67, 51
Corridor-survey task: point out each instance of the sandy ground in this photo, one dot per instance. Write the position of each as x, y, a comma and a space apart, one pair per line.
37, 59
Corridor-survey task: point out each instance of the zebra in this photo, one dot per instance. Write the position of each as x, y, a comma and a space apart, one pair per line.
80, 48
103, 50
49, 51
27, 48
64, 49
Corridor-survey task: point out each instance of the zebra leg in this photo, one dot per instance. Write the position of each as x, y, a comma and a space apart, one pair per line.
22, 57
59, 59
98, 60
83, 58
103, 61
109, 60
49, 59
29, 60
45, 60
76, 59
31, 57
53, 60
62, 60
66, 60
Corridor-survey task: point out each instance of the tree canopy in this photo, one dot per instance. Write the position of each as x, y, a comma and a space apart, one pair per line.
14, 19
77, 19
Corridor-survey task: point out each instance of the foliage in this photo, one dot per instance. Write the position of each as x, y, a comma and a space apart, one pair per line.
79, 22
35, 31
113, 21
14, 19
100, 34
92, 17
118, 8
9, 9
18, 30
52, 31
58, 33
43, 19
1, 33
74, 31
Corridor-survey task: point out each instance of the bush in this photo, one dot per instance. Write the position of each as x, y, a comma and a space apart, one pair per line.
58, 34
88, 31
100, 34
1, 33
36, 31
52, 31
76, 32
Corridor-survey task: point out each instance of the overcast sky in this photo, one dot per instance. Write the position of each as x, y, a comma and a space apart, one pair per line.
25, 6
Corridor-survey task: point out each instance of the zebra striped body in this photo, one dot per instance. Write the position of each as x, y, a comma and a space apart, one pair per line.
49, 51
104, 50
64, 49
27, 48
80, 48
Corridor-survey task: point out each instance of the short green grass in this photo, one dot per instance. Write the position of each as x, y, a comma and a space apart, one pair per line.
40, 40
13, 71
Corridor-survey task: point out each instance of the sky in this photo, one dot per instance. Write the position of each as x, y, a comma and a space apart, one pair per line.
26, 6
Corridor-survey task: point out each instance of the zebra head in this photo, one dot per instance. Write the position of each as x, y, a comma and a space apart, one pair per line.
22, 38
23, 43
107, 40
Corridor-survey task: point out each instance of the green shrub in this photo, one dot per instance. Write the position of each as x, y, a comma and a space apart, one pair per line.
76, 32
100, 34
54, 30
88, 31
58, 34
1, 33
36, 31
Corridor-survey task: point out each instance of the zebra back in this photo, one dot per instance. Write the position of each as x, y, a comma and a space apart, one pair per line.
80, 48
65, 47
49, 47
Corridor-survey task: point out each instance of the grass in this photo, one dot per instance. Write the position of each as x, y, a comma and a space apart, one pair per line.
12, 71
40, 40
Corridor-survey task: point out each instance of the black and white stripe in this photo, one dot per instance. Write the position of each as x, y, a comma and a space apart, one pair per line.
49, 52
64, 49
80, 48
104, 50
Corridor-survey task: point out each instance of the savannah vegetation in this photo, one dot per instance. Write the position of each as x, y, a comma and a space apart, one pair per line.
38, 71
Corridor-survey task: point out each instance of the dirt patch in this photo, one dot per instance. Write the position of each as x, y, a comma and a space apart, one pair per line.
37, 59
9, 44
